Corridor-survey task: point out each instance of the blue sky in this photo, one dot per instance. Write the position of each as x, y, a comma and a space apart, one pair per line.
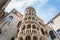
45, 9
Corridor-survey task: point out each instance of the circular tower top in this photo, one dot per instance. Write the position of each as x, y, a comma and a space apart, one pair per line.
30, 9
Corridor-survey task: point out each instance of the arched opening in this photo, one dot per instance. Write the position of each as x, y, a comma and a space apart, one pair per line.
29, 12
10, 18
28, 37
42, 31
52, 35
34, 26
29, 18
37, 28
19, 23
40, 38
21, 38
33, 18
25, 18
23, 27
35, 38
0, 30
28, 26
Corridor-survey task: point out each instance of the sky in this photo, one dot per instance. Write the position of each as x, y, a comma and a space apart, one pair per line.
45, 9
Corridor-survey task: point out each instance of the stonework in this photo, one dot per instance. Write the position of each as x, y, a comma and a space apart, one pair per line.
15, 26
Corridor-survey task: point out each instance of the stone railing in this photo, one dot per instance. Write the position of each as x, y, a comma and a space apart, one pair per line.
29, 31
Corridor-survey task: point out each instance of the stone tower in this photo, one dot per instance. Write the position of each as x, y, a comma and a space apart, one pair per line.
32, 27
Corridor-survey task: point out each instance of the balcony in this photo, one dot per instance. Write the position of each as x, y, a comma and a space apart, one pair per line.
29, 31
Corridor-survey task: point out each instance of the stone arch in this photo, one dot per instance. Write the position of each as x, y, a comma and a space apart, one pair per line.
34, 26
20, 38
28, 37
42, 31
35, 37
38, 28
25, 18
28, 26
29, 17
33, 18
23, 28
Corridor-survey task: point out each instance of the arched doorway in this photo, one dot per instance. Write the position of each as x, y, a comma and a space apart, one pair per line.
28, 37
21, 38
35, 38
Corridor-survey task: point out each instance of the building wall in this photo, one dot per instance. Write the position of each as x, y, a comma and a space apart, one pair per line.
9, 30
55, 24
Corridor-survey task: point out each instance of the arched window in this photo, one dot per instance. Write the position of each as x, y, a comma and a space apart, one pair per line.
28, 37
42, 31
0, 30
40, 38
33, 18
29, 17
29, 10
21, 38
58, 31
29, 13
37, 28
23, 27
25, 18
10, 18
34, 26
52, 35
35, 38
19, 23
28, 26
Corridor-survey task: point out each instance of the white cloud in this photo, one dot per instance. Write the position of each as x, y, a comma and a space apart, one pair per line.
48, 13
20, 3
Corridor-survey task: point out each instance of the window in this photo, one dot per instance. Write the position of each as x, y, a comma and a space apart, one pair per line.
25, 18
32, 14
39, 23
36, 19
42, 31
46, 32
35, 38
28, 37
23, 27
10, 18
29, 13
33, 18
12, 38
34, 26
21, 38
37, 28
29, 10
52, 35
29, 18
19, 23
0, 30
28, 26
58, 31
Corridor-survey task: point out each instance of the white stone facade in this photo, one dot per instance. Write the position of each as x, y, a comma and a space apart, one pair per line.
25, 27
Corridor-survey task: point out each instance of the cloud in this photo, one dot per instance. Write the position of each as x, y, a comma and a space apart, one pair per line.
47, 13
20, 3
44, 10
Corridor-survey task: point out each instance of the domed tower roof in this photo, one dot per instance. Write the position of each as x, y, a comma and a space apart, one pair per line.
30, 7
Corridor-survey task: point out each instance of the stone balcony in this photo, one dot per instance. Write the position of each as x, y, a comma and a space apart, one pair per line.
29, 31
